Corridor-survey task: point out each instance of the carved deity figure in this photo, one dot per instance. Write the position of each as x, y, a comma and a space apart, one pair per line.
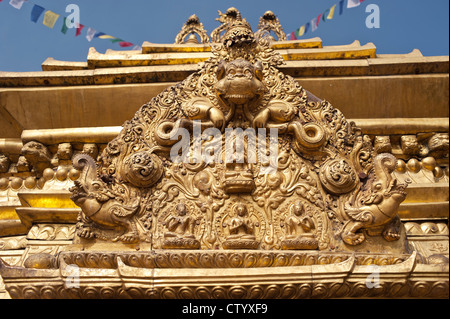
299, 229
180, 224
297, 223
241, 226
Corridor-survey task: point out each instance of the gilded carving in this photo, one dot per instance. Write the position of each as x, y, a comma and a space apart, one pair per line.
51, 232
269, 22
22, 164
17, 242
230, 16
411, 146
90, 149
192, 26
233, 177
239, 227
377, 212
299, 229
234, 146
182, 226
105, 210
382, 144
37, 155
438, 145
4, 163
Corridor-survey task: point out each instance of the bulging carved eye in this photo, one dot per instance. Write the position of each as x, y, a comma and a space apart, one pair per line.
96, 186
248, 73
377, 187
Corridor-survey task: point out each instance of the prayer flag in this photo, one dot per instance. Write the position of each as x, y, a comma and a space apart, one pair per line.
124, 44
98, 34
313, 25
318, 20
50, 19
293, 36
301, 31
105, 36
90, 34
17, 3
341, 7
36, 12
331, 14
114, 40
137, 47
306, 27
324, 15
80, 27
353, 3
64, 26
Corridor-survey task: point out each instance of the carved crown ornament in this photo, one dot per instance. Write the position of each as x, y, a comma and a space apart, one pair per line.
268, 25
241, 156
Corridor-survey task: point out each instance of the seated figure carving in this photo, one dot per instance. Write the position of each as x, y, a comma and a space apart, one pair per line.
299, 229
180, 226
241, 229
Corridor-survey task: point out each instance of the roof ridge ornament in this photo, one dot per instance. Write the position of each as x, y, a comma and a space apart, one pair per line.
230, 16
191, 27
269, 22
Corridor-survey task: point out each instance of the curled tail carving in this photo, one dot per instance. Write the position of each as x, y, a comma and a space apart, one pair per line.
88, 167
384, 165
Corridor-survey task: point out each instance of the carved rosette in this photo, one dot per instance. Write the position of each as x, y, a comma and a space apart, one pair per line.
142, 169
338, 176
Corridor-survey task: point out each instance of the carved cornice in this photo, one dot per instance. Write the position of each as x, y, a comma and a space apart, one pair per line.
336, 280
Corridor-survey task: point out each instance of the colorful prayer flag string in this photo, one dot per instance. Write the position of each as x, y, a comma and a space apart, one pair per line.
328, 14
50, 19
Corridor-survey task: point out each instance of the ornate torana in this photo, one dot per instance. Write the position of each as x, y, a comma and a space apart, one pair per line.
240, 156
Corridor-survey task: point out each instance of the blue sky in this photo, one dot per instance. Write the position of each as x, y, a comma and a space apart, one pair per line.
404, 25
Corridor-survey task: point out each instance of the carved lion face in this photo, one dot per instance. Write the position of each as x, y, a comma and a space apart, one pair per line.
36, 152
4, 163
239, 81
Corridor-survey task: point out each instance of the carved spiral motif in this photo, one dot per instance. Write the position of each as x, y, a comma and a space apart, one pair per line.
338, 176
143, 169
